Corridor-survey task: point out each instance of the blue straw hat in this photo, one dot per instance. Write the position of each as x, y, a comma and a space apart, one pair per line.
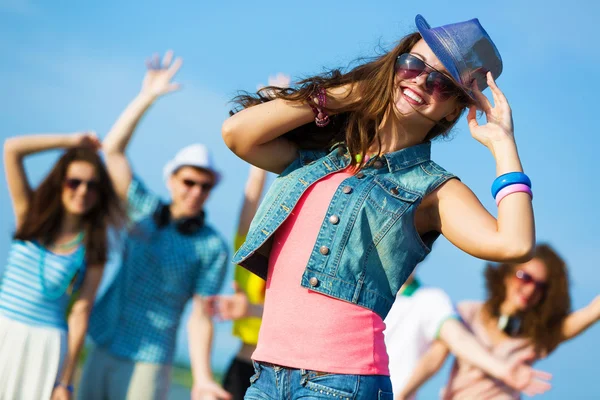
465, 49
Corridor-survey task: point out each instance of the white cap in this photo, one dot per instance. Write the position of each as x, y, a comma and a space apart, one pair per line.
194, 155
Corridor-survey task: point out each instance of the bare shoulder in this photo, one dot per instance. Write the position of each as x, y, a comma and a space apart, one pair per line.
451, 188
468, 309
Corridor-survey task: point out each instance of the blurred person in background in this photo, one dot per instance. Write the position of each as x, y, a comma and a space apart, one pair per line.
528, 307
56, 260
422, 315
170, 255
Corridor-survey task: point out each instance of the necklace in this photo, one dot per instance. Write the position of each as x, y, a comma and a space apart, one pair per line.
53, 295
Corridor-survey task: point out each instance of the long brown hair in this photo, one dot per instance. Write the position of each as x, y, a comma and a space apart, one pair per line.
356, 125
542, 323
45, 213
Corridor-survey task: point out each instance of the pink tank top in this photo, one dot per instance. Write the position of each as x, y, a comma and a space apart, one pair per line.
469, 382
309, 330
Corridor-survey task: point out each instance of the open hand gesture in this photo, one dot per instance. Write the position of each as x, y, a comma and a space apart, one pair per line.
523, 377
158, 79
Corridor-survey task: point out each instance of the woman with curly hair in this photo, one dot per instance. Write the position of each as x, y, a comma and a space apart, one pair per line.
528, 307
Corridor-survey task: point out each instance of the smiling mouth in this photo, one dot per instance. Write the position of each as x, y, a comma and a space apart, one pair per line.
412, 97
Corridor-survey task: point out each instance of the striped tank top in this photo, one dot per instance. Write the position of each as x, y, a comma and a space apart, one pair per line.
33, 288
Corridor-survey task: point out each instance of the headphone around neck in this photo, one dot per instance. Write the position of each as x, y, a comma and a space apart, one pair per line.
185, 226
510, 324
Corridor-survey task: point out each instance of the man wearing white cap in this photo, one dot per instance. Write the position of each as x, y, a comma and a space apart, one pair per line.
170, 255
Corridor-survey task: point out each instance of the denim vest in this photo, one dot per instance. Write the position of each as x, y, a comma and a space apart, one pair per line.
367, 245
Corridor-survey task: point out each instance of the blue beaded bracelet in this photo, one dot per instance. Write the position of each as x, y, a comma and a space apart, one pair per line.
508, 179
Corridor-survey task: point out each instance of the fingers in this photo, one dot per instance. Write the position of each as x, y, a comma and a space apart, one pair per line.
482, 100
537, 387
173, 87
154, 62
497, 94
546, 376
172, 70
525, 355
472, 117
167, 59
223, 394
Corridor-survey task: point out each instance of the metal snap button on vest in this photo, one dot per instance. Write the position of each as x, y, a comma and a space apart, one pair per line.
347, 189
334, 219
324, 250
360, 175
394, 191
377, 164
313, 281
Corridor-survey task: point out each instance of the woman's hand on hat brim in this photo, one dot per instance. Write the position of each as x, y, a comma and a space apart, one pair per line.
499, 126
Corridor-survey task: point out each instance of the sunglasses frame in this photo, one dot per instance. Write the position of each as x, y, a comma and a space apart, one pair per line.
456, 89
190, 183
74, 183
526, 278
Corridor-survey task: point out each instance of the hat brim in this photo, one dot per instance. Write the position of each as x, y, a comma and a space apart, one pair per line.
171, 167
441, 51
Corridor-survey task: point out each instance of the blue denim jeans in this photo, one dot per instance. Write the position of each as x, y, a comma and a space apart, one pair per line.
271, 382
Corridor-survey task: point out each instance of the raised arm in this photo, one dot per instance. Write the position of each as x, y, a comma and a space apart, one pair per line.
253, 134
580, 320
157, 82
15, 150
252, 193
459, 215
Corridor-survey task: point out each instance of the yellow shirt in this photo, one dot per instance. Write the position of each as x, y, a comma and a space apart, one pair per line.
247, 328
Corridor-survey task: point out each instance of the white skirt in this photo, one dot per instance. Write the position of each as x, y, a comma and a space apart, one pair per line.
31, 359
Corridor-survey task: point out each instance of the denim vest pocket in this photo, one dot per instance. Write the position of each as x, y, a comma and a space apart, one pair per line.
335, 385
390, 198
384, 205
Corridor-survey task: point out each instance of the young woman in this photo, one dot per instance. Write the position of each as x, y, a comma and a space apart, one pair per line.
525, 301
358, 203
59, 249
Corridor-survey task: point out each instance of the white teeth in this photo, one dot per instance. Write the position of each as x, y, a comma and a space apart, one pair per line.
413, 95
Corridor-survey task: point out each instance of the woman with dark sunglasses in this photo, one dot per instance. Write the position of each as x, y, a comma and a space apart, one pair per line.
358, 203
528, 307
55, 263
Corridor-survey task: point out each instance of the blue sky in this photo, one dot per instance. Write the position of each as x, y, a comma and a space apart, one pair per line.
74, 65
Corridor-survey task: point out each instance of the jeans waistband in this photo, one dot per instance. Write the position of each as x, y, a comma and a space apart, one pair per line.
280, 367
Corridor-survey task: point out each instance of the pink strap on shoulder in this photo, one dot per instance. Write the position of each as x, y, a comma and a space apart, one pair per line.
515, 188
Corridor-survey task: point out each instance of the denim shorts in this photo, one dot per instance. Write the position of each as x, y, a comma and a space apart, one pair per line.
273, 382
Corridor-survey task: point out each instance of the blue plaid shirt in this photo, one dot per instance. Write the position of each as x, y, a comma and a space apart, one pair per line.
161, 269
